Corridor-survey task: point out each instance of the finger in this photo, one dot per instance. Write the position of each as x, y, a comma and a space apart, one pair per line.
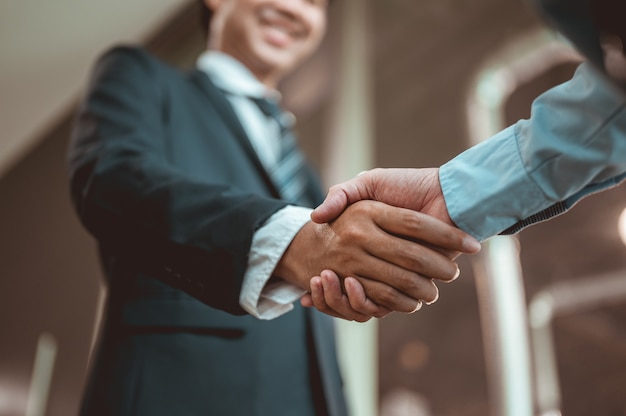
306, 301
317, 297
337, 301
422, 227
374, 227
389, 297
451, 254
359, 300
411, 285
416, 258
329, 300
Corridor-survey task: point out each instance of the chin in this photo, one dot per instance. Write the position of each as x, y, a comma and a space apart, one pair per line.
277, 62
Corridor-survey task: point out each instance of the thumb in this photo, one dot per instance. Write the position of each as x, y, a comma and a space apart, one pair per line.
341, 195
334, 204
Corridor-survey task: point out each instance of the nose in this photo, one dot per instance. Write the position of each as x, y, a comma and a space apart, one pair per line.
296, 9
308, 15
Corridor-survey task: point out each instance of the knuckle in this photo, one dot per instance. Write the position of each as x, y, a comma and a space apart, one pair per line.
356, 231
407, 281
348, 232
414, 220
417, 260
335, 188
385, 295
365, 208
358, 208
454, 237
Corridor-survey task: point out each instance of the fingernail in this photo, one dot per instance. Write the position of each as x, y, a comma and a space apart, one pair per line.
434, 300
456, 274
471, 245
417, 307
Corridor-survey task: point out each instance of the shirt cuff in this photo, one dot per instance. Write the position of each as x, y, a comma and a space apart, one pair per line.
261, 295
479, 183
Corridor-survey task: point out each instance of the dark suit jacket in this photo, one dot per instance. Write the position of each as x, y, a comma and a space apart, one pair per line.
163, 175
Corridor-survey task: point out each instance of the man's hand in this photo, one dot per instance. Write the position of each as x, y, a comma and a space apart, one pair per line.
377, 244
415, 189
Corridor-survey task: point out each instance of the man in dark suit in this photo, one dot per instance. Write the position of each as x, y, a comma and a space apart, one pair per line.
206, 245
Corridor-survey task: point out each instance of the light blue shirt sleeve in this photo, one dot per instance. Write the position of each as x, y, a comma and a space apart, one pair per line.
573, 144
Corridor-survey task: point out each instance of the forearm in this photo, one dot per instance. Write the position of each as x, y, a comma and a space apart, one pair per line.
575, 139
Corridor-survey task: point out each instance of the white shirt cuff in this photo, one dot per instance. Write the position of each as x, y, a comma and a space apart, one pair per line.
262, 296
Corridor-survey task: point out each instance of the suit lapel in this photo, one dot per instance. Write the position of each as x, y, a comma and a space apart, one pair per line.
220, 102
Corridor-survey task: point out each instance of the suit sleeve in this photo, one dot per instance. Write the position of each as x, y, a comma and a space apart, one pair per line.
192, 233
574, 144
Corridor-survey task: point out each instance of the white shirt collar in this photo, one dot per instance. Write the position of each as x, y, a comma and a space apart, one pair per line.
232, 76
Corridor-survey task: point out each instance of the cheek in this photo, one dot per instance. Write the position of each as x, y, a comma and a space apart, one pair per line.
317, 20
318, 30
314, 41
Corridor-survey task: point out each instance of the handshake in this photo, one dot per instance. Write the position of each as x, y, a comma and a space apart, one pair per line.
377, 244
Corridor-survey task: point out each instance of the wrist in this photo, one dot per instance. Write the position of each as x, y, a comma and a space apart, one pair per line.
436, 202
296, 264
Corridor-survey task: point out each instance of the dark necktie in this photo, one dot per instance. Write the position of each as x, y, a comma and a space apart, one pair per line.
289, 173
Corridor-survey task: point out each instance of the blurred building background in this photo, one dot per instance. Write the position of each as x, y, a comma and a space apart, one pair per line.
422, 59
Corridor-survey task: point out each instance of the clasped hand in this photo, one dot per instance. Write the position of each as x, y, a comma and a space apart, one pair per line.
395, 252
372, 259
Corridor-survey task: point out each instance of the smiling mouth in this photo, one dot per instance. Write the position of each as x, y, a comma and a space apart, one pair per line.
277, 36
280, 30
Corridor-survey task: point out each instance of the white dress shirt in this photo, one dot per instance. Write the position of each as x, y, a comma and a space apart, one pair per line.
261, 296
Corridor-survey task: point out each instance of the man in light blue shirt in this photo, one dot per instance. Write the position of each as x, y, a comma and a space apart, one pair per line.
573, 145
